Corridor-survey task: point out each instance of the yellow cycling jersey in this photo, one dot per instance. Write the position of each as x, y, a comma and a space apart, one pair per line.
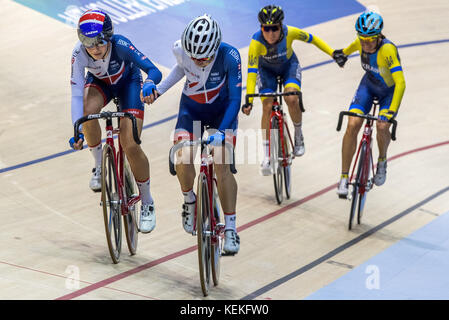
275, 57
383, 68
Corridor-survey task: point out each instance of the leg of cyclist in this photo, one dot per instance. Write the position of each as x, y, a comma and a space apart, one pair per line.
227, 191
266, 82
293, 83
383, 141
96, 96
361, 104
265, 167
129, 97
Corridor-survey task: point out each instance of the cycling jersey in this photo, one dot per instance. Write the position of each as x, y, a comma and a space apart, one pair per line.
209, 93
117, 74
277, 58
384, 75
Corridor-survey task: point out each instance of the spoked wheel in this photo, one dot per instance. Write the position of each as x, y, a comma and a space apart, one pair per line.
275, 151
203, 229
366, 182
356, 186
110, 199
131, 219
287, 169
217, 244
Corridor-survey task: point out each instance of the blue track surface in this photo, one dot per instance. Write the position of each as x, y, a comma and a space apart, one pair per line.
414, 268
154, 25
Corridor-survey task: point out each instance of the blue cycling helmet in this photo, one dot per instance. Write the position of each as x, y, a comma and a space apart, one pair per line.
369, 24
94, 28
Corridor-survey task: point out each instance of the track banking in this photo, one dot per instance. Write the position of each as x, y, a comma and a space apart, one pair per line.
120, 11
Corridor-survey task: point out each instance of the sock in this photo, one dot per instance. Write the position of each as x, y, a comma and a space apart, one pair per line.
266, 148
144, 190
230, 221
189, 196
298, 131
344, 175
97, 153
382, 159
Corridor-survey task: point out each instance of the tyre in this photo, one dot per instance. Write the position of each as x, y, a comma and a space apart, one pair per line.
275, 150
203, 229
365, 177
110, 199
356, 186
217, 245
131, 220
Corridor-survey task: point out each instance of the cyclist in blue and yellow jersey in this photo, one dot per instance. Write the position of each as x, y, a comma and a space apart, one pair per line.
383, 79
211, 96
113, 65
271, 55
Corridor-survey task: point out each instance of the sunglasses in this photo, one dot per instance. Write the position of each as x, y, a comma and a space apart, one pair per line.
270, 28
96, 44
368, 39
202, 59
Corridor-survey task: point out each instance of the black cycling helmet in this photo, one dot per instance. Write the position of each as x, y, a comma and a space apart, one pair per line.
271, 14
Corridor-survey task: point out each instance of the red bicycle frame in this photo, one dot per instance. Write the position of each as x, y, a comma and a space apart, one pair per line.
277, 112
367, 139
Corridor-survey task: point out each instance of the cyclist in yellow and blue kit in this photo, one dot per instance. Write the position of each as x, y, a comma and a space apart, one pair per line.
383, 79
271, 55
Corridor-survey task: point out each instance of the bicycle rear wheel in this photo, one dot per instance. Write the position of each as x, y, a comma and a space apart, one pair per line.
356, 186
275, 152
131, 219
110, 199
217, 244
203, 229
365, 178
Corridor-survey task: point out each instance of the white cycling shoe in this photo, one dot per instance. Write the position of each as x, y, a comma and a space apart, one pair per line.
381, 173
299, 149
95, 181
188, 215
147, 218
232, 242
342, 189
265, 167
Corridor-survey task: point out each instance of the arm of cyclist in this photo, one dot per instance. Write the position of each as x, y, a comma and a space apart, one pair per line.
302, 35
176, 73
390, 55
79, 63
233, 67
127, 51
255, 50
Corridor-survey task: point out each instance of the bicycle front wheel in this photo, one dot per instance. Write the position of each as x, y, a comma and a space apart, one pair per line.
287, 169
110, 199
365, 178
356, 185
131, 219
275, 152
217, 244
203, 229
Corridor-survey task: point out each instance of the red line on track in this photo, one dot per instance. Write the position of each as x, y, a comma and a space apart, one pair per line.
241, 228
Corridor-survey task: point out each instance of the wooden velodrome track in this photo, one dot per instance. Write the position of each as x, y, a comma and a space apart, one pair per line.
51, 223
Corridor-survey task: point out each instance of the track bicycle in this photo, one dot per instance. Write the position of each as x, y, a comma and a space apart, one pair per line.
363, 181
209, 227
280, 141
119, 193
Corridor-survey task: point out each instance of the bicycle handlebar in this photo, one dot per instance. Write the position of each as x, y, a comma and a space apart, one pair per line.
189, 143
107, 115
274, 94
367, 117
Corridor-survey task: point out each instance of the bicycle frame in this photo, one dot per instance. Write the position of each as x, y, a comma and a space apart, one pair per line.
277, 111
118, 156
207, 168
367, 139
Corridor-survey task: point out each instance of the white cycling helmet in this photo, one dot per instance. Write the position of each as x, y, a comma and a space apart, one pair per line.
201, 38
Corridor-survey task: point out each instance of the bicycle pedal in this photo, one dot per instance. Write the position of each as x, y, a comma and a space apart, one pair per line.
227, 254
341, 196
